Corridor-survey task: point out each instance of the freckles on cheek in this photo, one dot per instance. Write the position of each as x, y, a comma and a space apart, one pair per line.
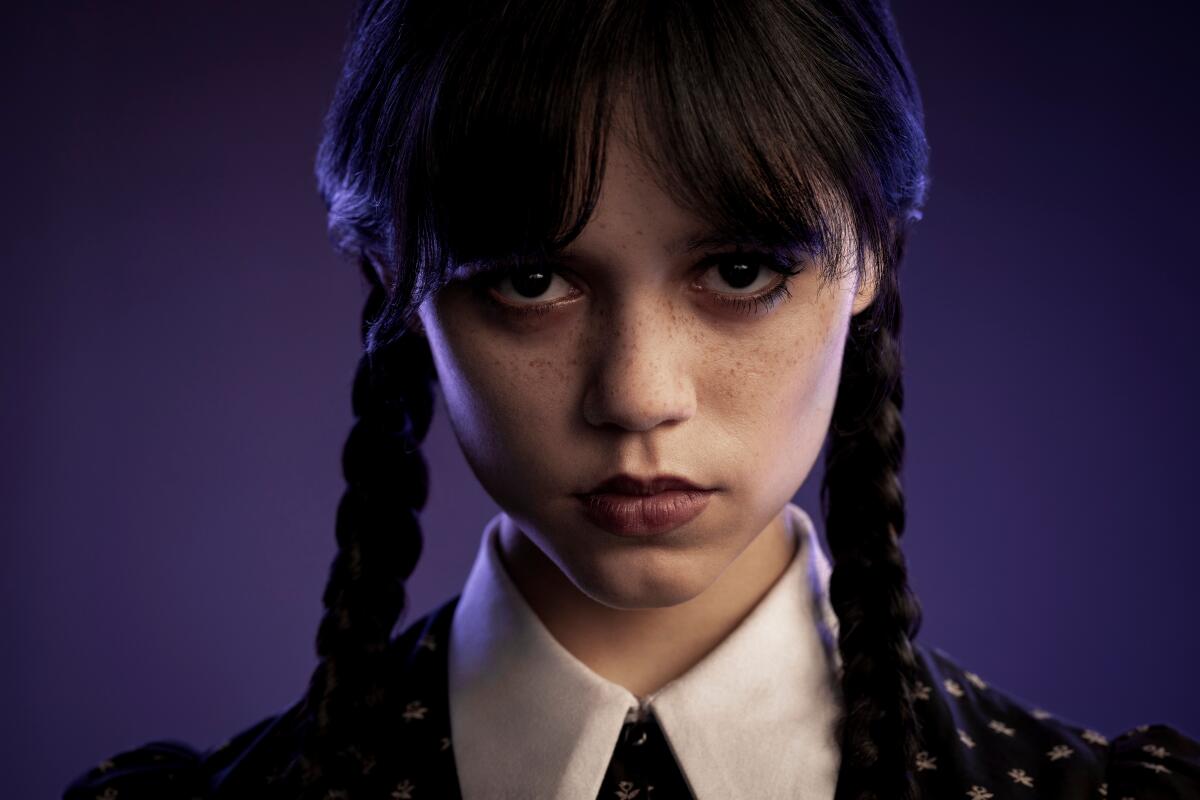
512, 385
787, 392
515, 405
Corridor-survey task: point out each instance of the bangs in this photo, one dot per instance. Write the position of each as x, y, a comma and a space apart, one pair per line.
771, 123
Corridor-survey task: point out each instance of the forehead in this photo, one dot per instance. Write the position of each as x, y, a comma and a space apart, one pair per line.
633, 210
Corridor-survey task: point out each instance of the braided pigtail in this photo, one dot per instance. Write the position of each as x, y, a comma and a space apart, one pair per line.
863, 506
379, 541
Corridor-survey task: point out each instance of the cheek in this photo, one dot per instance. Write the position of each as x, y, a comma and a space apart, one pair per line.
808, 398
777, 399
503, 401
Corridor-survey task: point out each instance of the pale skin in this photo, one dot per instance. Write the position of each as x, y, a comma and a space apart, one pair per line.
637, 366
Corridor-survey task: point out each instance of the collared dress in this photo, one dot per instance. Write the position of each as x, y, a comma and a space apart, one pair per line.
487, 704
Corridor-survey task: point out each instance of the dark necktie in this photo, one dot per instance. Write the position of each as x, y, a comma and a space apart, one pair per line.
642, 765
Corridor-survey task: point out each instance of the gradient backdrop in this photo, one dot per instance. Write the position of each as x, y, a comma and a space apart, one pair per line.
180, 341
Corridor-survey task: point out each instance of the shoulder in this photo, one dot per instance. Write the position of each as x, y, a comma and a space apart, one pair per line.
983, 742
1154, 762
251, 760
169, 769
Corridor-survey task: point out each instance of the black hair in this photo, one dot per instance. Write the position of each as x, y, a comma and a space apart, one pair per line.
473, 130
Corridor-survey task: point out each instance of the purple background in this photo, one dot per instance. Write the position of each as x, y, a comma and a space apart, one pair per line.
181, 342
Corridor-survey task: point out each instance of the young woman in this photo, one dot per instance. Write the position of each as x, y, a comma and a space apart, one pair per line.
649, 252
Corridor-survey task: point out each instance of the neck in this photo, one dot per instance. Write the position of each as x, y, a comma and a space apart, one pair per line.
644, 649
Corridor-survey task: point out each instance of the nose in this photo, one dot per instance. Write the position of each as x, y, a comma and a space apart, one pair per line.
641, 374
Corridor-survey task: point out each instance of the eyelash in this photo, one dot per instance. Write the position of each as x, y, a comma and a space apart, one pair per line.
486, 277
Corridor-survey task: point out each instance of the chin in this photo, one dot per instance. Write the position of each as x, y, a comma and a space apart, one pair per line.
637, 581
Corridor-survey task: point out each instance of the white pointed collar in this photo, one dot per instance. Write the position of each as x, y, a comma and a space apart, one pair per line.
753, 718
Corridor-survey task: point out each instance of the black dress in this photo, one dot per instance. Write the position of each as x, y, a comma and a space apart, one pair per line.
982, 744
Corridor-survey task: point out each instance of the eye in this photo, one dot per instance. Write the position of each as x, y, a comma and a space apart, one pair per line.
759, 278
745, 274
524, 287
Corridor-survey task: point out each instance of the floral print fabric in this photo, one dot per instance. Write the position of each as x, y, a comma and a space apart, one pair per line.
980, 743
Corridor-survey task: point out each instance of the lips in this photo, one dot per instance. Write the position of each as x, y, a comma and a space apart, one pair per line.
630, 506
627, 484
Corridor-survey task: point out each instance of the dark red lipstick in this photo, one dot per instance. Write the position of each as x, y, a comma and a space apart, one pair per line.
627, 505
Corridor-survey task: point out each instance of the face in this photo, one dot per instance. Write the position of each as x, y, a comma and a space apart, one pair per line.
632, 354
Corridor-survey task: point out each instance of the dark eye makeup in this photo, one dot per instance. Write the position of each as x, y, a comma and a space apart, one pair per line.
485, 277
